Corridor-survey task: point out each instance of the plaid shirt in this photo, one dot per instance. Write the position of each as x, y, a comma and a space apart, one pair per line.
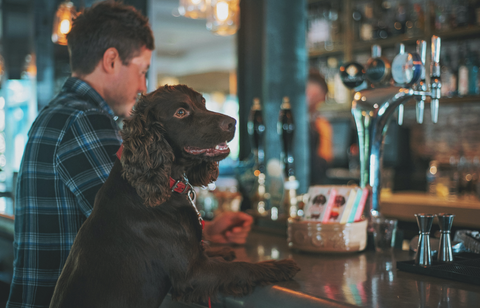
69, 154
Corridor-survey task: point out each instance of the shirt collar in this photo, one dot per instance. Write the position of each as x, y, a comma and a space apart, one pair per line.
84, 90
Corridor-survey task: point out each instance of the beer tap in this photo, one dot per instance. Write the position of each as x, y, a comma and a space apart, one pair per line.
256, 130
285, 128
372, 109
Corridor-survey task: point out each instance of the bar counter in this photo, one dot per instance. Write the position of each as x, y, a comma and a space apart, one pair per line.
363, 279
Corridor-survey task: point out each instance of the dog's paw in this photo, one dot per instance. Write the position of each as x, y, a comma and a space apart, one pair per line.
281, 270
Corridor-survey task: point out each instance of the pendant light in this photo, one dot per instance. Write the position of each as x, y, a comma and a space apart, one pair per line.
223, 16
63, 22
193, 8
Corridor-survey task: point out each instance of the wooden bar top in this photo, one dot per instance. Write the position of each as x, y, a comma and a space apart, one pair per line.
404, 205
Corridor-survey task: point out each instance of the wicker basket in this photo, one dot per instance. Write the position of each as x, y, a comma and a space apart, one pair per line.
315, 236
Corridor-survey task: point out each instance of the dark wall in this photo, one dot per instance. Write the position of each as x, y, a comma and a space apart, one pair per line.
17, 35
272, 64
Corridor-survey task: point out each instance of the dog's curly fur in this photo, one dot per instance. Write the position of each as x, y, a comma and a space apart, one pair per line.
142, 240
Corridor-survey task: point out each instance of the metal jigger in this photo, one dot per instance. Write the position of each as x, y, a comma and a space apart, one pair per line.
423, 256
445, 222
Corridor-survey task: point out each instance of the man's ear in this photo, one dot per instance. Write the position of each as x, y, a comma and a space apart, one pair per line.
111, 60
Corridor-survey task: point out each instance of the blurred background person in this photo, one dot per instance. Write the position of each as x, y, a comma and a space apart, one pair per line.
321, 149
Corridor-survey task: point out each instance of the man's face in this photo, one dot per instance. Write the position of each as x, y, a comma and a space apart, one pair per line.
128, 83
315, 96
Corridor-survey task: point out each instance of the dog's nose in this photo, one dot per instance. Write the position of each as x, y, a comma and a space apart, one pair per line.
228, 124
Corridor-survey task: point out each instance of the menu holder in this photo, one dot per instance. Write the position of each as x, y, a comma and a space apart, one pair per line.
325, 226
335, 203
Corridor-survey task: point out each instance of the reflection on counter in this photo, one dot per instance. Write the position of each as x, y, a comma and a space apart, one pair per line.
365, 279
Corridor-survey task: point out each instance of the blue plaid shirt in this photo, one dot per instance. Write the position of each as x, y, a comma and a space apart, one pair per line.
69, 154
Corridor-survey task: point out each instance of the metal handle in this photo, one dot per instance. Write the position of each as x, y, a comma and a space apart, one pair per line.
422, 85
436, 84
376, 51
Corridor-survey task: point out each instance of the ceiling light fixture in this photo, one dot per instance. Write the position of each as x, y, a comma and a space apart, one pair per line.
223, 16
195, 9
62, 24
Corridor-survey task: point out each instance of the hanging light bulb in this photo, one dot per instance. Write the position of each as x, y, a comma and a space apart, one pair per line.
63, 22
193, 8
30, 66
223, 16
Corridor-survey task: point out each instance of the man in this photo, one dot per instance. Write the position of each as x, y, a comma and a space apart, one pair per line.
321, 151
72, 145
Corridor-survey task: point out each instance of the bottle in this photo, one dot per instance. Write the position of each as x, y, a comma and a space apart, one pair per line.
380, 29
461, 13
462, 76
471, 14
449, 80
419, 24
400, 19
335, 23
357, 19
472, 65
440, 16
332, 63
366, 28
341, 91
477, 12
412, 18
452, 15
318, 28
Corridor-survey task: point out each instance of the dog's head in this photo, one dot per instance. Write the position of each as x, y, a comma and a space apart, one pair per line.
170, 132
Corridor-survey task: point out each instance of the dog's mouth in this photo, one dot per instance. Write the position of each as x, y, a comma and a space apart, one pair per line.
219, 149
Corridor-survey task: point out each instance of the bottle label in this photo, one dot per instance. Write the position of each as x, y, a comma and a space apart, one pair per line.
366, 32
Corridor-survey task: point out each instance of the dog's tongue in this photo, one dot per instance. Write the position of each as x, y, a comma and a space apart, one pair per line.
220, 148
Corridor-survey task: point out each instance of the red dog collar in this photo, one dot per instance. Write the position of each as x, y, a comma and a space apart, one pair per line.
179, 187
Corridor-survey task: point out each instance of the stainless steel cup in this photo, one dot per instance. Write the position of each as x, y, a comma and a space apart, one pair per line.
445, 222
423, 256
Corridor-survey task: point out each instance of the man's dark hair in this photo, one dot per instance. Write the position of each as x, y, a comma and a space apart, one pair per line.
105, 25
315, 76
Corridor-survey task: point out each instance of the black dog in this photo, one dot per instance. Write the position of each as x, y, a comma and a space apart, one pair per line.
142, 239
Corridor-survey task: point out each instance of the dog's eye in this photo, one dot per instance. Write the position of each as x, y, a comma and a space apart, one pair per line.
180, 113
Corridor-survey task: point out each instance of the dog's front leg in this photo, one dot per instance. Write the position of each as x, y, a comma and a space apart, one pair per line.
208, 276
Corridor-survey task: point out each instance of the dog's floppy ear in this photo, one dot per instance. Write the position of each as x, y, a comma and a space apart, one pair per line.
147, 157
203, 173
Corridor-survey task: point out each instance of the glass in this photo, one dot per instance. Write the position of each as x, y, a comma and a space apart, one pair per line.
384, 231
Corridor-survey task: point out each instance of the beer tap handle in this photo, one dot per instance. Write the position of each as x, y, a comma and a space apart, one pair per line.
401, 107
401, 111
422, 85
436, 84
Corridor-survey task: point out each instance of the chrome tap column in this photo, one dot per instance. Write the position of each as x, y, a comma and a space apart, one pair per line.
372, 110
